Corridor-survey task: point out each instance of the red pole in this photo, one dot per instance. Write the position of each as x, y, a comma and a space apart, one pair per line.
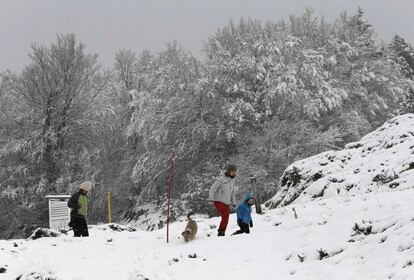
169, 193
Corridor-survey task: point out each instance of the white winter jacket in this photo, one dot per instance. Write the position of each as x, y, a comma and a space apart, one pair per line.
223, 190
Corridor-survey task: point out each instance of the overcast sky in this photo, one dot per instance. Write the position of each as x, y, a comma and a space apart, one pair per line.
106, 26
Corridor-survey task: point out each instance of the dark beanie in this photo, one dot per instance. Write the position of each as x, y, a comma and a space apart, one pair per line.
230, 167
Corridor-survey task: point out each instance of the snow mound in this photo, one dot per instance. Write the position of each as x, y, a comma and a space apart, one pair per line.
381, 161
43, 232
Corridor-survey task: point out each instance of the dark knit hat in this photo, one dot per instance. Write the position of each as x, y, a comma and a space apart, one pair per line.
230, 167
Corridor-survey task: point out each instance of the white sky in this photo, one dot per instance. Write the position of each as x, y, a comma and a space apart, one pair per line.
106, 26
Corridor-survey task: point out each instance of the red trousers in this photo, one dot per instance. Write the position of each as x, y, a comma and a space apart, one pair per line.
224, 211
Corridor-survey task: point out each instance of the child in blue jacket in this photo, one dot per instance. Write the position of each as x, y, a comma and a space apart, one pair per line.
244, 215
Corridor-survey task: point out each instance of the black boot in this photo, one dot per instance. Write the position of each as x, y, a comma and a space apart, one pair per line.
220, 233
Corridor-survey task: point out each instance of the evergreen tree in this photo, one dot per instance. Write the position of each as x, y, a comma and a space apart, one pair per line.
404, 55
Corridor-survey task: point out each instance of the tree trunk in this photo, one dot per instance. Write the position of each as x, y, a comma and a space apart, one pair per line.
257, 200
49, 163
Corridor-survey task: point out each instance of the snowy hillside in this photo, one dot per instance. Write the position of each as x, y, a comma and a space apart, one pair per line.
340, 215
382, 161
364, 237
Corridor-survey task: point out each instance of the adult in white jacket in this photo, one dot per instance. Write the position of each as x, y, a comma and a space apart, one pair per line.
223, 194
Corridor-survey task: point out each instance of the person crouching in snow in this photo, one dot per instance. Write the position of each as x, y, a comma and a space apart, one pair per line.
223, 194
79, 205
244, 215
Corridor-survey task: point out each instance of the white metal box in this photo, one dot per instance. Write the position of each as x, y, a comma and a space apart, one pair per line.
59, 212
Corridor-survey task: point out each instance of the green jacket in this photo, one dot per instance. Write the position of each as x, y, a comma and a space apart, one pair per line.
83, 205
79, 204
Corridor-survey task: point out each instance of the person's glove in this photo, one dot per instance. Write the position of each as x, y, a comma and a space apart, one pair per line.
251, 224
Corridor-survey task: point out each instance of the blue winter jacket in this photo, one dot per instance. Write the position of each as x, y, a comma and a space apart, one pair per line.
244, 211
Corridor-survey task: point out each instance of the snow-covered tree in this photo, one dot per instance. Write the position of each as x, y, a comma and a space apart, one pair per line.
125, 65
57, 85
403, 54
45, 136
165, 117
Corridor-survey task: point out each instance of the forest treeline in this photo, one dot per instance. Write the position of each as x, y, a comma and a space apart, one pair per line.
265, 95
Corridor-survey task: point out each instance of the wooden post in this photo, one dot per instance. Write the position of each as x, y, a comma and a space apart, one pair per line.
256, 196
109, 208
170, 178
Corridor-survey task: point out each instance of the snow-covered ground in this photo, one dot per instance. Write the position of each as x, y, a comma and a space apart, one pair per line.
340, 215
365, 237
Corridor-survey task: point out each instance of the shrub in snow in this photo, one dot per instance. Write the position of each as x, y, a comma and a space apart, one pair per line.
322, 254
409, 263
117, 227
140, 277
37, 276
325, 254
173, 260
364, 228
385, 177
